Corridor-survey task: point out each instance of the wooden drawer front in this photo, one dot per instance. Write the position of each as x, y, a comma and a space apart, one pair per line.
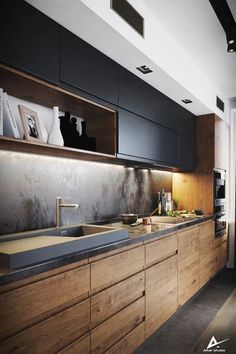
111, 270
161, 249
53, 334
108, 302
188, 265
207, 266
221, 253
161, 293
220, 240
131, 342
25, 306
206, 236
117, 327
80, 346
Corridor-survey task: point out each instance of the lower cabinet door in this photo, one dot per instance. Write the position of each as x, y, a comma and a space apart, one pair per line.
80, 346
129, 343
117, 327
53, 334
221, 253
161, 293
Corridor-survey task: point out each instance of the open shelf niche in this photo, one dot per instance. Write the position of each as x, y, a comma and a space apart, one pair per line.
101, 121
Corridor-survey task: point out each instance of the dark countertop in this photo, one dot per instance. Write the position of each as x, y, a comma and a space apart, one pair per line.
137, 234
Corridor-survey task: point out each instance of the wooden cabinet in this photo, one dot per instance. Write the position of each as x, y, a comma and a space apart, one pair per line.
86, 68
221, 144
80, 346
188, 264
161, 293
129, 343
112, 270
117, 327
25, 306
145, 140
206, 252
221, 252
29, 40
159, 250
110, 301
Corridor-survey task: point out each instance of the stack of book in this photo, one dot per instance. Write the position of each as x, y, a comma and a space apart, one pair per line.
8, 124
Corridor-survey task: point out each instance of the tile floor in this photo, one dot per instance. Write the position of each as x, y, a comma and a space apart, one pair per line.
179, 334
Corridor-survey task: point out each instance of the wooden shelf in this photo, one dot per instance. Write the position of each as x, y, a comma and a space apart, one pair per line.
18, 145
101, 120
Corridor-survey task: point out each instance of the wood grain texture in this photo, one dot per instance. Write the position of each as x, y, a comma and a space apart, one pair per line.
221, 256
161, 293
111, 270
25, 306
223, 326
206, 252
159, 250
117, 327
188, 264
80, 346
51, 335
129, 343
221, 143
110, 301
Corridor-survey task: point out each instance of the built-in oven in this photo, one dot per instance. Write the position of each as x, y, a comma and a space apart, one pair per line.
219, 202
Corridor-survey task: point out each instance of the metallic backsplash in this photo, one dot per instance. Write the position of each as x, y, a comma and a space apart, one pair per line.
29, 185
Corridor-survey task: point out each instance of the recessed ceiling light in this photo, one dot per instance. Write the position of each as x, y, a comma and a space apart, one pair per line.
187, 100
144, 69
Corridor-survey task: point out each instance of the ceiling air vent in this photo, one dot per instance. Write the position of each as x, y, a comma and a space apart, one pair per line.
129, 14
220, 104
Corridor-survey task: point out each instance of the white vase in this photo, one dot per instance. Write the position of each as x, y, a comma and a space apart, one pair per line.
55, 136
44, 132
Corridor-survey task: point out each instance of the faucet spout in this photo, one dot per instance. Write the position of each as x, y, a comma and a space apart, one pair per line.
60, 205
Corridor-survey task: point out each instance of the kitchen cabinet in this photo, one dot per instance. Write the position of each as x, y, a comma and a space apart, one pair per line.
206, 252
115, 328
142, 139
161, 293
80, 346
111, 270
136, 96
187, 154
86, 68
159, 250
29, 40
188, 264
221, 252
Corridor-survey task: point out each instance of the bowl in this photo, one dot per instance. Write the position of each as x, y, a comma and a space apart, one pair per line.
129, 218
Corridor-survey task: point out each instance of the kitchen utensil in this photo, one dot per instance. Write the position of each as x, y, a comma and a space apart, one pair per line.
129, 218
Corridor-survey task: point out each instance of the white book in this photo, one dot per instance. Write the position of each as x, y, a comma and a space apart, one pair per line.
10, 127
1, 111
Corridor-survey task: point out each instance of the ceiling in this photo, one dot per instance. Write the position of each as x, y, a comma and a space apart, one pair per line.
201, 50
196, 27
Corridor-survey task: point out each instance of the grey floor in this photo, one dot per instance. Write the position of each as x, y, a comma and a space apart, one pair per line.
179, 334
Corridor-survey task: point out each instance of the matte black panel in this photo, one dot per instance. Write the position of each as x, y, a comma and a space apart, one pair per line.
129, 14
145, 139
187, 154
187, 127
137, 96
86, 68
29, 40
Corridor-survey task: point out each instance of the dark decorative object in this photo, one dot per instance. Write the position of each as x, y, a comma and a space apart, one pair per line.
71, 136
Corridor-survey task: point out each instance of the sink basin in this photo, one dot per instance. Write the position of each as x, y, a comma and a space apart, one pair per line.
172, 219
24, 249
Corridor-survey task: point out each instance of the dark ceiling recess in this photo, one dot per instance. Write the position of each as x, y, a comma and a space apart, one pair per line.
227, 21
129, 14
220, 104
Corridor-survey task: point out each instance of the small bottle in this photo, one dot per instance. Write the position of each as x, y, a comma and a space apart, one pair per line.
163, 203
159, 203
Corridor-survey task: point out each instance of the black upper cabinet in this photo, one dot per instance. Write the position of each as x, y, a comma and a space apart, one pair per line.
137, 96
86, 68
143, 139
187, 154
29, 40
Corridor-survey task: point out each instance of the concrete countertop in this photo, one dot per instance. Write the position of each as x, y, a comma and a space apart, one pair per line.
137, 234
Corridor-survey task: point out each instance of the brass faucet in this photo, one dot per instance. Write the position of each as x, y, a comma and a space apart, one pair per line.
60, 205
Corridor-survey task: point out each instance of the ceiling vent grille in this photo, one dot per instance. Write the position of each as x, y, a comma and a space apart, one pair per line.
220, 104
129, 14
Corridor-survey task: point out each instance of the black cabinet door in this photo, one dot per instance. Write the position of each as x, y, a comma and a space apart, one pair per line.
187, 154
144, 139
187, 127
86, 68
29, 40
137, 96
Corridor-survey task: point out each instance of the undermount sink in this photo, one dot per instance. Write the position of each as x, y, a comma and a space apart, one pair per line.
28, 248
